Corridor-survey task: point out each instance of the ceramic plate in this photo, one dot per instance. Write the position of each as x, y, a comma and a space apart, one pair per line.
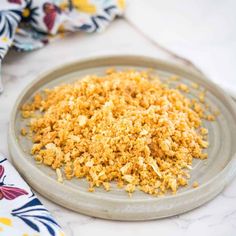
213, 174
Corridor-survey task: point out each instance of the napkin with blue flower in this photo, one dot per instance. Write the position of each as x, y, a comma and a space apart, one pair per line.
30, 24
21, 212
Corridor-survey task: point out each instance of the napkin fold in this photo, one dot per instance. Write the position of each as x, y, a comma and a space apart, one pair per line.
30, 24
21, 212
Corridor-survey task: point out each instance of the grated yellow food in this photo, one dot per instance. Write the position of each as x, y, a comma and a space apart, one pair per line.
23, 132
124, 126
195, 184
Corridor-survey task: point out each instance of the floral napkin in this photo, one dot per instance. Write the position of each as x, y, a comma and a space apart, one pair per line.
21, 212
31, 24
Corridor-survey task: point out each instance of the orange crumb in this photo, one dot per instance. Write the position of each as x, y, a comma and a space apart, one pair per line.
195, 184
211, 118
183, 87
23, 132
195, 85
122, 127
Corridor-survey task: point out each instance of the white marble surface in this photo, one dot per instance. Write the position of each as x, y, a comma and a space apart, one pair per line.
203, 31
216, 218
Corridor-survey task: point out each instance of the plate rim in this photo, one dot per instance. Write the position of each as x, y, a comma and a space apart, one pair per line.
13, 144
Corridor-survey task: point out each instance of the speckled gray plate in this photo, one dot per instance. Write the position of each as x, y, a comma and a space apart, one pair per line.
213, 174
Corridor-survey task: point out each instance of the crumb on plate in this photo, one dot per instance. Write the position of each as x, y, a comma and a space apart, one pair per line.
195, 184
124, 127
23, 131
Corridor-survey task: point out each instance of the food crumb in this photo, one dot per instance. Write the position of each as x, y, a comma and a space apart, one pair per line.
91, 189
201, 97
106, 186
195, 85
59, 175
216, 112
204, 156
210, 117
82, 120
110, 71
183, 87
25, 114
195, 184
122, 127
204, 131
23, 132
130, 188
174, 78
